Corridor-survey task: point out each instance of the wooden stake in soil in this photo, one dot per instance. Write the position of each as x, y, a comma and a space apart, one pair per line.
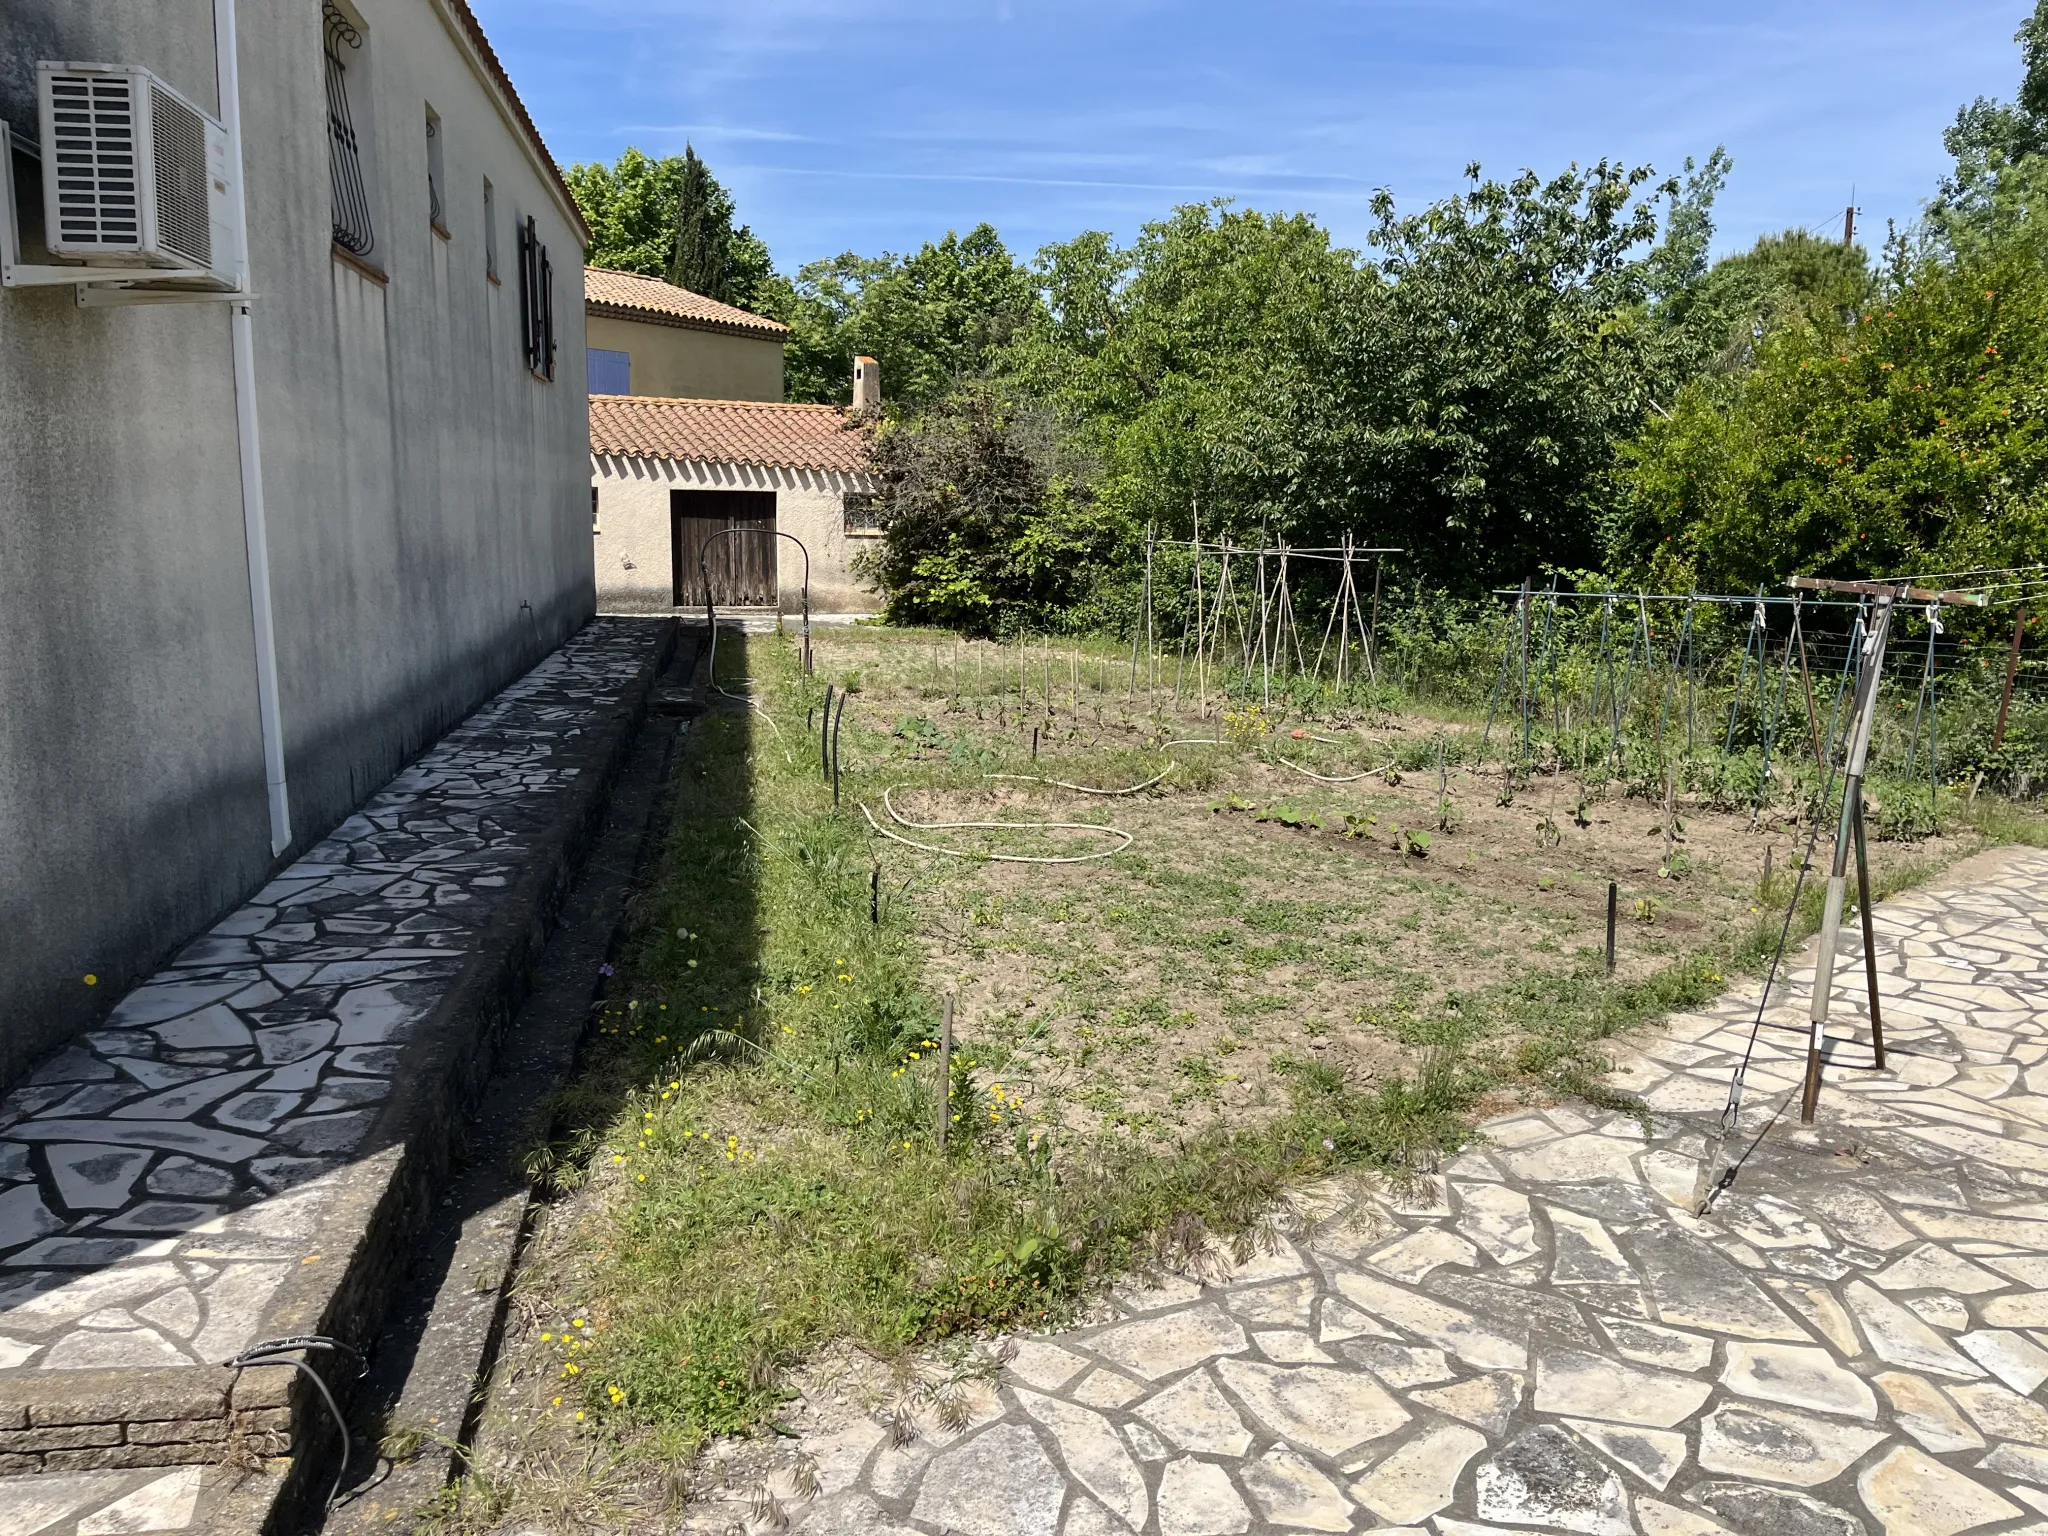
2012, 667
875, 895
1613, 906
1763, 886
946, 1072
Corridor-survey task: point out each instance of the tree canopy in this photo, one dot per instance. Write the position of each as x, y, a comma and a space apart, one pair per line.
671, 219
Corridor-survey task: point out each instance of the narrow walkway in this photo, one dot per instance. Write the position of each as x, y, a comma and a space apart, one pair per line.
214, 1165
1854, 1340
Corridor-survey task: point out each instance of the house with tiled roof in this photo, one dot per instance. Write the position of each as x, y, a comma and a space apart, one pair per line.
698, 468
648, 337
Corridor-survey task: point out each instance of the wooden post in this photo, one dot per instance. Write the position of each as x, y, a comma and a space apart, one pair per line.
946, 1072
2012, 667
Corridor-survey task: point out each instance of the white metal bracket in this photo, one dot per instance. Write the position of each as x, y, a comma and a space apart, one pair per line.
98, 287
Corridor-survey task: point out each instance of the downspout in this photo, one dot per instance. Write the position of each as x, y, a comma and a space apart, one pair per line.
255, 538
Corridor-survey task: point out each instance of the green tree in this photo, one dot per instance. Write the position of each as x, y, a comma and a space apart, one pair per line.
931, 319
1990, 137
989, 521
1487, 374
670, 218
1915, 438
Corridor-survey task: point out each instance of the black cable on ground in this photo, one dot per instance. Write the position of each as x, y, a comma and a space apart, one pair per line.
282, 1352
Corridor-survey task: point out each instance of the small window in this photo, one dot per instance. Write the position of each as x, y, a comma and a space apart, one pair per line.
863, 512
349, 184
437, 211
490, 229
611, 373
596, 523
536, 301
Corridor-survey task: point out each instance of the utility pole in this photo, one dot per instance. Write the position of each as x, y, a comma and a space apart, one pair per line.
1849, 225
1849, 827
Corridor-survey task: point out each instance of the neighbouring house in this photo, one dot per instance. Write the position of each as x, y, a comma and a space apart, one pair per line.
685, 491
257, 552
648, 337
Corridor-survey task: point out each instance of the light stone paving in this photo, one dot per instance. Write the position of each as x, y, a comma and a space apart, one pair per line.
1853, 1340
162, 1177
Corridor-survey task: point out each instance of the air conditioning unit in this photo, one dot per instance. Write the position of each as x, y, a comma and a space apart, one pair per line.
134, 175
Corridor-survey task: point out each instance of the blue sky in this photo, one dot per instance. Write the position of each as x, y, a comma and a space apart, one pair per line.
879, 125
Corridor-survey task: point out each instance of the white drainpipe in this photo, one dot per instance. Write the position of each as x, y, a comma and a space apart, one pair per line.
227, 68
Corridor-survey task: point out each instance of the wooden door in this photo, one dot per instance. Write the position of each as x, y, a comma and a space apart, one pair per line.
740, 565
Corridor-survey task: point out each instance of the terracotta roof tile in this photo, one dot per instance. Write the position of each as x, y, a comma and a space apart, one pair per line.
649, 298
766, 434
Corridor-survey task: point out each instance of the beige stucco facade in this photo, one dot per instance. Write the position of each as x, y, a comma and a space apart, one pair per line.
682, 362
635, 568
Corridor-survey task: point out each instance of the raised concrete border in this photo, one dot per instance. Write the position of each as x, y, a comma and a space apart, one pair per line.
250, 1146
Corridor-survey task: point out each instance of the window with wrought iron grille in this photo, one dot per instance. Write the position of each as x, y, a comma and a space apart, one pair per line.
863, 510
437, 176
353, 230
536, 301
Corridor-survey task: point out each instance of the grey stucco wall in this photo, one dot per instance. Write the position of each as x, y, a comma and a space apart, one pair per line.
421, 488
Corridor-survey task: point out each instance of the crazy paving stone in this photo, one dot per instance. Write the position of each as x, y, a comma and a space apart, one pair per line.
1798, 1375
2020, 1461
999, 1483
1478, 1343
1498, 1219
2024, 1311
1044, 1365
1319, 1408
1570, 1381
1154, 1347
1912, 1494
1776, 1445
2010, 1357
1584, 1253
1653, 1455
1104, 1388
1543, 1477
1194, 1414
1660, 1519
1753, 1511
1094, 1455
165, 1503
1924, 1413
1651, 1345
1694, 1286
1289, 1491
1818, 1306
1088, 1518
1941, 1309
1289, 1346
1930, 1266
1290, 1304
1196, 1499
1419, 1477
1900, 1338
1486, 1401
24, 1217
2003, 1414
1400, 1365
1412, 1257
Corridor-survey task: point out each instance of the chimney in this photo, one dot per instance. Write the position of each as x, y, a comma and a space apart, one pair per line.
867, 385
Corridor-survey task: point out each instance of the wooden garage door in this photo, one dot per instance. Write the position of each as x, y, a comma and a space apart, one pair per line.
741, 565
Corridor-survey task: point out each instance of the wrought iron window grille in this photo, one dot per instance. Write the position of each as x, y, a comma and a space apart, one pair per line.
536, 301
863, 512
353, 231
436, 214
